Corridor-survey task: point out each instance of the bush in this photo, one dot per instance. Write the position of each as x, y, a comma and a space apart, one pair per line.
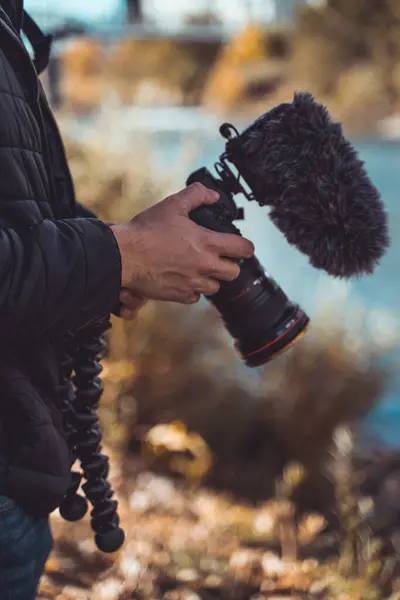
186, 370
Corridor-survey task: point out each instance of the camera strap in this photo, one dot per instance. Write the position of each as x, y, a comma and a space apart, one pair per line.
41, 43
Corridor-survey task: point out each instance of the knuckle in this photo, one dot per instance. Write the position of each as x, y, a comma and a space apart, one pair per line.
210, 240
197, 187
168, 205
165, 201
207, 265
172, 198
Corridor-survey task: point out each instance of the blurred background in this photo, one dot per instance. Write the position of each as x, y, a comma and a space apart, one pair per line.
140, 88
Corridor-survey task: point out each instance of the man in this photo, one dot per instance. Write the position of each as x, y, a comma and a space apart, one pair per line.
60, 271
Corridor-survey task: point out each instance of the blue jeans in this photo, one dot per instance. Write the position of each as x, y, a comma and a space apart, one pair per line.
25, 545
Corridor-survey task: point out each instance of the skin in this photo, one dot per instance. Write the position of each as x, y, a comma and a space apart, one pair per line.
166, 256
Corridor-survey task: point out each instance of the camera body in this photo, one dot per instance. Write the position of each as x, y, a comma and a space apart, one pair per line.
255, 310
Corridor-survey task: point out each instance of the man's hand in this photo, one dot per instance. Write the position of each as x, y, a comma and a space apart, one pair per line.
166, 256
130, 305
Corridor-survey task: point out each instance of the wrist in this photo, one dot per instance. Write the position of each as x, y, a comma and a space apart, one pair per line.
124, 238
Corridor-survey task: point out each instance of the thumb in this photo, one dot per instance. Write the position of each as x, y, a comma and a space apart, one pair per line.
194, 196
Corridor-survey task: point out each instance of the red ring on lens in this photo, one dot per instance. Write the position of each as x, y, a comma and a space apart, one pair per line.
301, 315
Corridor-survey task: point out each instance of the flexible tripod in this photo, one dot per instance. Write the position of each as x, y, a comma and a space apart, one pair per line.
81, 395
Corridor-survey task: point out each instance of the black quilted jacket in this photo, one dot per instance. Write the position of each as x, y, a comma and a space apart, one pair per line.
59, 271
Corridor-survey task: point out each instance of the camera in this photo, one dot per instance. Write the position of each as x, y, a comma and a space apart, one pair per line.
257, 313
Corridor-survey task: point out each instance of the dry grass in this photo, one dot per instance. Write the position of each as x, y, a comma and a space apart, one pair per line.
195, 544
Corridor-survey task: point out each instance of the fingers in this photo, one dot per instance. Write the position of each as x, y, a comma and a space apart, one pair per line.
192, 197
191, 298
230, 245
130, 305
130, 301
222, 269
202, 286
206, 286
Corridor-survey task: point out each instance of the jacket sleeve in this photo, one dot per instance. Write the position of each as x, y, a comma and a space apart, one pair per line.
58, 275
84, 211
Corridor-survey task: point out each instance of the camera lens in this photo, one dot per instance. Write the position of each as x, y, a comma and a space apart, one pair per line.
259, 315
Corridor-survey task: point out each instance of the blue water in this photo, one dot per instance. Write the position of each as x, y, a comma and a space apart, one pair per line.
379, 292
88, 12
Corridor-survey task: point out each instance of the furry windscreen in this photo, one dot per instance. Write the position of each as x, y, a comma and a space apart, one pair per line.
297, 161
